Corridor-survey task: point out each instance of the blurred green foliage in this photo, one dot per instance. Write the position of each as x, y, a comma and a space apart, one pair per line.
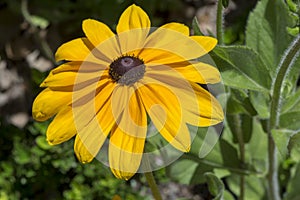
31, 169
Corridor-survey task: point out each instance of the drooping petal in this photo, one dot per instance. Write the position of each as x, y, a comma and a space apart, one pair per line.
94, 120
199, 107
76, 50
209, 111
62, 127
165, 111
127, 139
48, 103
166, 46
132, 29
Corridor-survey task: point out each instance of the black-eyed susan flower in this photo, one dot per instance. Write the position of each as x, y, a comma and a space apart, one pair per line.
109, 85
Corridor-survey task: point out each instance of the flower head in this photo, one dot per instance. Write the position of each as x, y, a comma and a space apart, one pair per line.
110, 84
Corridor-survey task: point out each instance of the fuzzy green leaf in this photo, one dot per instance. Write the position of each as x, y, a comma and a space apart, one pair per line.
266, 31
242, 68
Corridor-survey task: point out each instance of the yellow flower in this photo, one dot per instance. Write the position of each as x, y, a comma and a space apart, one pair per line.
109, 84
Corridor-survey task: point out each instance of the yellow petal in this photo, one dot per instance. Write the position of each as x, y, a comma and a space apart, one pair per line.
81, 152
103, 39
166, 46
133, 28
198, 106
132, 42
79, 66
48, 103
96, 31
208, 112
97, 104
94, 121
200, 73
207, 43
177, 27
62, 127
75, 50
120, 99
70, 78
133, 18
166, 113
127, 140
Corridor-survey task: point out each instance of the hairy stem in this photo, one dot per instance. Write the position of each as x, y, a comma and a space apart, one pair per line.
220, 22
283, 69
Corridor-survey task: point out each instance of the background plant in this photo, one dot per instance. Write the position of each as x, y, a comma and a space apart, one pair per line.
258, 150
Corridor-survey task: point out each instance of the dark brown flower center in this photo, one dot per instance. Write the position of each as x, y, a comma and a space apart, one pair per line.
127, 69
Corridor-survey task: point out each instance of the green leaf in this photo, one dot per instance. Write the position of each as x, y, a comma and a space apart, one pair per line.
290, 120
21, 153
290, 112
266, 31
257, 148
208, 156
293, 186
42, 142
254, 188
291, 103
215, 186
292, 6
196, 27
239, 102
176, 172
242, 68
294, 147
281, 139
260, 102
229, 155
244, 126
294, 31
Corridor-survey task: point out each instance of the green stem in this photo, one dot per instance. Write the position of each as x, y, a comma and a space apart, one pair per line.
153, 186
220, 22
221, 166
239, 134
150, 179
283, 69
